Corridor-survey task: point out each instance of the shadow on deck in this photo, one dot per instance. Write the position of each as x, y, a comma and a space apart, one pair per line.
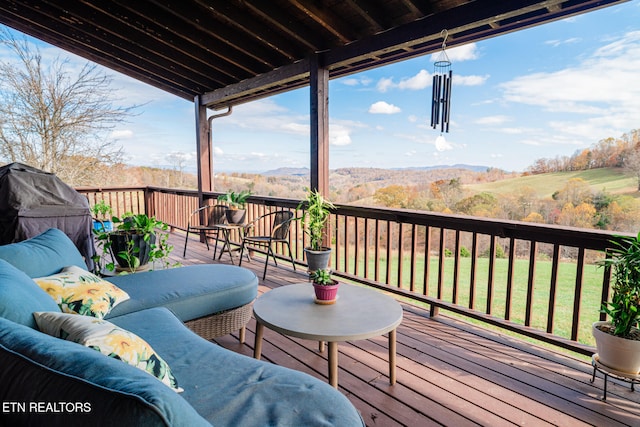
449, 372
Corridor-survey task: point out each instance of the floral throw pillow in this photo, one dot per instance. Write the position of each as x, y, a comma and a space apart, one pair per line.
109, 340
78, 291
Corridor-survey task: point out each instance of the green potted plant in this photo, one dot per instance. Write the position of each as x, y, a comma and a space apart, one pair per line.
135, 241
315, 217
102, 212
618, 340
325, 288
236, 213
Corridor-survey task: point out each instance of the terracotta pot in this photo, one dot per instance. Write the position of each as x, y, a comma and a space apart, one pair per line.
617, 353
326, 293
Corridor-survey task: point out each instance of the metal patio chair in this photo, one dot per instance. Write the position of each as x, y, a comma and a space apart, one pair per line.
213, 216
277, 233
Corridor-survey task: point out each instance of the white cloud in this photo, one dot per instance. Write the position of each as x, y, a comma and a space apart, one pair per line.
384, 84
556, 43
217, 151
122, 134
442, 144
382, 107
469, 80
597, 89
465, 52
412, 118
492, 120
423, 79
339, 135
419, 81
350, 82
356, 81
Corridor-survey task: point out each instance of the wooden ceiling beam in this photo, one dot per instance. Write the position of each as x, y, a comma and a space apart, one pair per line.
189, 40
330, 22
236, 16
370, 13
117, 23
206, 23
284, 23
258, 86
58, 33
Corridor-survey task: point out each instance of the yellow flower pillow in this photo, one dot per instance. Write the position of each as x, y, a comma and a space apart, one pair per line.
109, 340
78, 291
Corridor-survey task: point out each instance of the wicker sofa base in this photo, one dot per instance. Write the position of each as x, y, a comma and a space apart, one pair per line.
223, 323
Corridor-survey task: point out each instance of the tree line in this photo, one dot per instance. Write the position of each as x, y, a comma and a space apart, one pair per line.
622, 152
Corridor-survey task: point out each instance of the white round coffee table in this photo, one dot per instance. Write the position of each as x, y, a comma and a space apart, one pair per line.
358, 313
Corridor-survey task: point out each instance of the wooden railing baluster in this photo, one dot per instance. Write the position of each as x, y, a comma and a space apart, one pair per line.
367, 249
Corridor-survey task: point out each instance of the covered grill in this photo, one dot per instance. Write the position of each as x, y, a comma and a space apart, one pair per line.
32, 201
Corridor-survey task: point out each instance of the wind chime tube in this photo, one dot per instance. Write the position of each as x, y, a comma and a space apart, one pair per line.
449, 82
444, 102
434, 101
435, 111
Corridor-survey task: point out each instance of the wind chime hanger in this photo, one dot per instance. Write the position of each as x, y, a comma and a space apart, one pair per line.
441, 89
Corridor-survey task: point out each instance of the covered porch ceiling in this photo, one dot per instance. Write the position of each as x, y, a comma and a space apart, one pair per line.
228, 52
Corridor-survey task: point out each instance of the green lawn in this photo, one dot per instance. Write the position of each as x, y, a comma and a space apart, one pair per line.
613, 180
589, 298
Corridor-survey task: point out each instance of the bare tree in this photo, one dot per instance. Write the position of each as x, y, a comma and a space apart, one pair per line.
178, 160
632, 163
56, 118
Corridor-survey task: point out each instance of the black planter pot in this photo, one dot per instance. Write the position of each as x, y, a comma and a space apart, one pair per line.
139, 248
236, 216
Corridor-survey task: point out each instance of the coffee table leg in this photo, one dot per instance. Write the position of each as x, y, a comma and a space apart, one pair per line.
392, 357
257, 345
333, 363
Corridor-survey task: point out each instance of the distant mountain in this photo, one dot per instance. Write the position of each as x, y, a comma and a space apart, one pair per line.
287, 172
473, 168
305, 171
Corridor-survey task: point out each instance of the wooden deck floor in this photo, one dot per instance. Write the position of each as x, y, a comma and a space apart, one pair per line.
449, 372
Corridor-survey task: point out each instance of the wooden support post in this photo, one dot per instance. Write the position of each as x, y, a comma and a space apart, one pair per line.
203, 149
319, 86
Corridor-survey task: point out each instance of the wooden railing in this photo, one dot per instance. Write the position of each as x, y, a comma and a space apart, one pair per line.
534, 279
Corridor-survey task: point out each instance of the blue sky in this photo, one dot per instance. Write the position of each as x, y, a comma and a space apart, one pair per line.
542, 92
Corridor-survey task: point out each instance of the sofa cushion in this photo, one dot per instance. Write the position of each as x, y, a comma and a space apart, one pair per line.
20, 296
52, 374
190, 292
78, 291
44, 254
108, 339
228, 388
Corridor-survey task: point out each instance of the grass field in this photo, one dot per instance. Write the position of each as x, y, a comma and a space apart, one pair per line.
565, 290
612, 180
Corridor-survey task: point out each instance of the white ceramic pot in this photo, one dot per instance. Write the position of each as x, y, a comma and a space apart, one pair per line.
617, 353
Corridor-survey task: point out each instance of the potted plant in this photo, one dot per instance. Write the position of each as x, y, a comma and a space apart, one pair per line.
135, 241
325, 288
618, 340
314, 219
102, 212
236, 201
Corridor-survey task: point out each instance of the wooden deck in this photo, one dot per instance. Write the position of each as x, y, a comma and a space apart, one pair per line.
449, 372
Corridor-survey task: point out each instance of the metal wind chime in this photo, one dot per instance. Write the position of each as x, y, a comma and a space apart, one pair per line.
441, 89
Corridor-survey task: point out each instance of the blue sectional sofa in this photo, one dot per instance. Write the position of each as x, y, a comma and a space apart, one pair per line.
46, 380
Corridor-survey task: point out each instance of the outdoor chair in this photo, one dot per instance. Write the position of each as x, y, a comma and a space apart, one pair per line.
213, 215
277, 233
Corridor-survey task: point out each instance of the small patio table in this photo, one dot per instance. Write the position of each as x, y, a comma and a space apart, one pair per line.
226, 232
357, 314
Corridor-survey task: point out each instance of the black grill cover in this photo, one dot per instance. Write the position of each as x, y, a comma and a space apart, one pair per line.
32, 201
